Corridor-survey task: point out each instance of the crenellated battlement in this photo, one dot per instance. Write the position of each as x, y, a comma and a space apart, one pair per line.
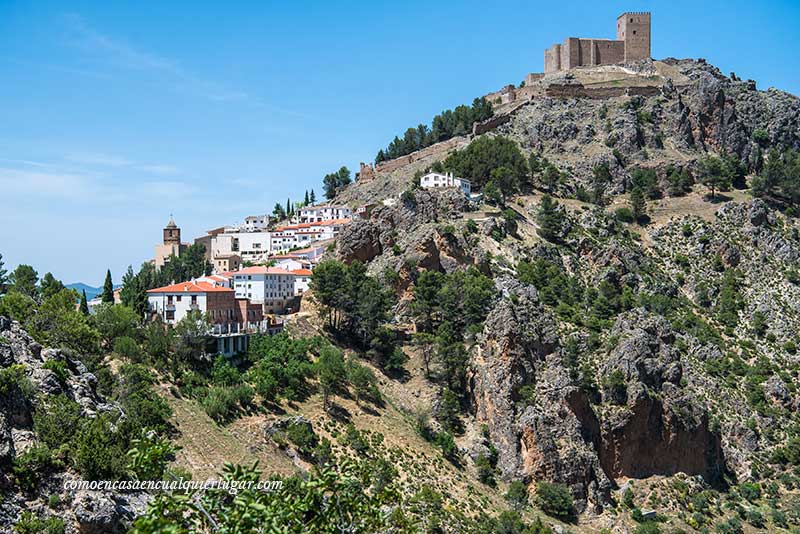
632, 44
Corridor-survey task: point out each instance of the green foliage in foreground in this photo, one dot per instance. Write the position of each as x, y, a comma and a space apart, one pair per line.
356, 496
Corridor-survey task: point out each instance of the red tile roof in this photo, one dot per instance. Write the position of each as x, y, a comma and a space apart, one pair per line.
302, 272
190, 287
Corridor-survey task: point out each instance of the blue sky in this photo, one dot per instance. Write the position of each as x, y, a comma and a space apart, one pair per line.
115, 115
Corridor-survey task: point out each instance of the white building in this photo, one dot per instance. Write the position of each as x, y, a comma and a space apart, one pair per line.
255, 223
172, 303
249, 246
435, 179
273, 288
285, 238
323, 212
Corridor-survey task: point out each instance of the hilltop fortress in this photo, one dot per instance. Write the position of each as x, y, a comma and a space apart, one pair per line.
632, 44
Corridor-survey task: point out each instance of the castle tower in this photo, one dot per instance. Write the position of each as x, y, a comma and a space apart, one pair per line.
172, 234
634, 29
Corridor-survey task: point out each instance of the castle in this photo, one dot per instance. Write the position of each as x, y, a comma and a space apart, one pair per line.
632, 43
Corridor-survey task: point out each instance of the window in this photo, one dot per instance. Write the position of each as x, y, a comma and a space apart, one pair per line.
634, 32
194, 299
178, 298
170, 315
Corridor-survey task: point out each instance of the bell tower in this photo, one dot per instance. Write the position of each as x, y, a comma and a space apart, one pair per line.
172, 234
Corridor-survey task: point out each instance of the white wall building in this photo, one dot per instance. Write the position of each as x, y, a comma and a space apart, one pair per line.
172, 303
286, 238
323, 212
272, 287
255, 223
250, 246
435, 179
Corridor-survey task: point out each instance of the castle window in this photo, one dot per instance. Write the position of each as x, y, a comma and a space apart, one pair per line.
631, 20
634, 32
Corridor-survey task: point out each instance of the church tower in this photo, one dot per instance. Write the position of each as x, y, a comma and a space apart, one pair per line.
172, 234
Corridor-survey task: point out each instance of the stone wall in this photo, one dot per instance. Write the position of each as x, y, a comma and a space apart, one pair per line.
552, 59
580, 91
632, 44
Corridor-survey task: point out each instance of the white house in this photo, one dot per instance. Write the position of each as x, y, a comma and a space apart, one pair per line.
172, 303
435, 179
249, 246
271, 287
323, 212
292, 236
255, 223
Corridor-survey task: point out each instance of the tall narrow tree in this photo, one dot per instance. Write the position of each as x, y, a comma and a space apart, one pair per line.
3, 276
108, 289
313, 196
305, 200
84, 308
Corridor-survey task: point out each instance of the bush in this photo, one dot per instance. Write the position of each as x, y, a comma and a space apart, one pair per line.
13, 379
555, 500
302, 436
517, 494
448, 445
30, 523
128, 347
648, 527
624, 215
59, 368
58, 422
100, 451
485, 470
32, 466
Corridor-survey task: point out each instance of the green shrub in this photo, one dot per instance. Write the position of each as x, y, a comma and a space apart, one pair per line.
302, 436
555, 500
58, 422
13, 378
485, 470
517, 494
32, 466
624, 215
128, 347
59, 368
30, 523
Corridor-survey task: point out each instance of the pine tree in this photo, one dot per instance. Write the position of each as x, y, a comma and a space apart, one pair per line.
549, 219
108, 289
637, 203
84, 305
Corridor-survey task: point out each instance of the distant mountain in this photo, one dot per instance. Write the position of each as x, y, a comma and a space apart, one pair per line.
91, 292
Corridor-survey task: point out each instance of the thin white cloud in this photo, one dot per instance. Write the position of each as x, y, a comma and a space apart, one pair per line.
94, 158
159, 169
40, 183
123, 55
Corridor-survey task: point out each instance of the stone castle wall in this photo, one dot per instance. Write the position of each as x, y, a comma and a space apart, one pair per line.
632, 44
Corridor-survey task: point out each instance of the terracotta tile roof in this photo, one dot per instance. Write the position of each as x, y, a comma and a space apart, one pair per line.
302, 272
190, 287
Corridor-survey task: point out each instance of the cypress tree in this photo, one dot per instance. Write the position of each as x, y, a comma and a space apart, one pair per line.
84, 308
313, 197
108, 288
305, 201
